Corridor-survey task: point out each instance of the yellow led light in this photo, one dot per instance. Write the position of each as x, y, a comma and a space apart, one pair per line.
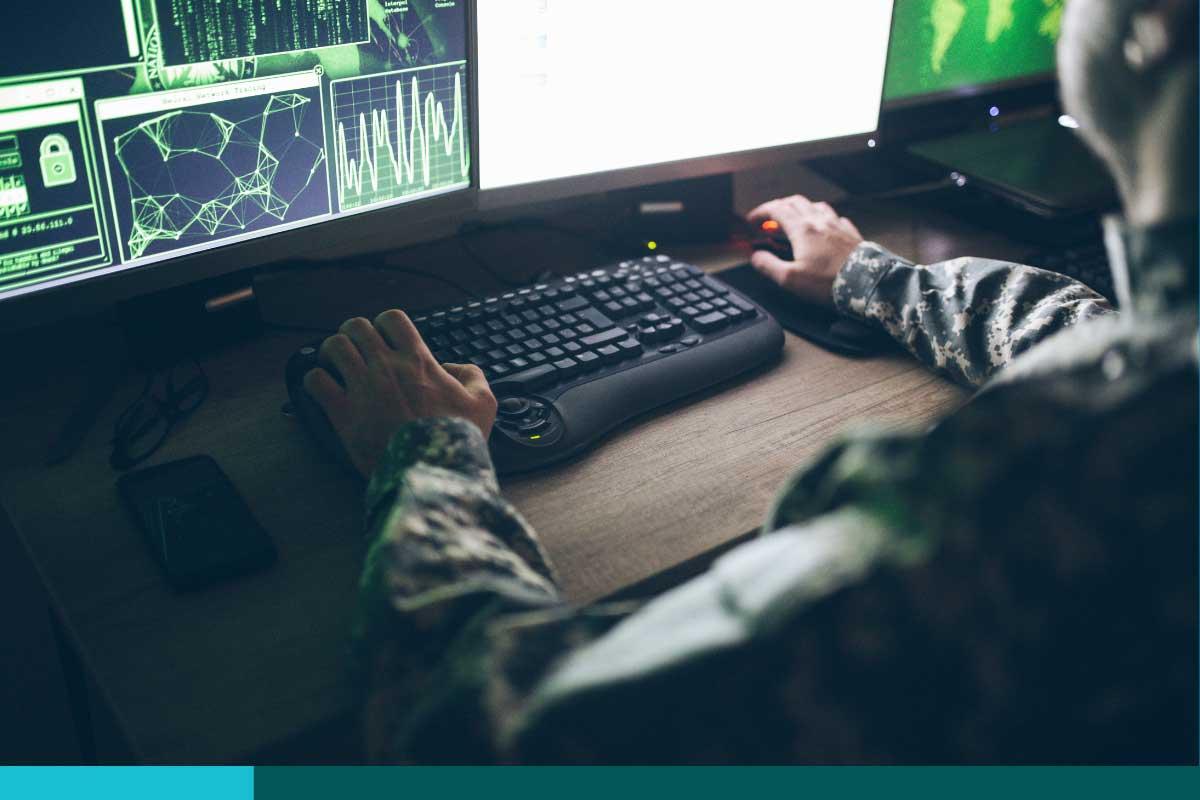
535, 438
651, 245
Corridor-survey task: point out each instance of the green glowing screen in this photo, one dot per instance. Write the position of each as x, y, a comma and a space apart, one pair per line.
147, 130
943, 45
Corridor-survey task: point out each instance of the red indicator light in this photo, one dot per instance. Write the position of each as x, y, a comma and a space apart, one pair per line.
770, 225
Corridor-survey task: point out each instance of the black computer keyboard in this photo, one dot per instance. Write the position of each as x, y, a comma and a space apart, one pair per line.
573, 358
1085, 261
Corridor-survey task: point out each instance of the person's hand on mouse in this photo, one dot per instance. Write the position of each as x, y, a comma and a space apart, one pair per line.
821, 242
390, 379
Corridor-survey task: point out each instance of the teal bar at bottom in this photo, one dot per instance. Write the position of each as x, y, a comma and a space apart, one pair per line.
725, 783
126, 783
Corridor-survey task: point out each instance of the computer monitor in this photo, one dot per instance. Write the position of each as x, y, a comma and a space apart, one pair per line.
577, 97
945, 49
150, 143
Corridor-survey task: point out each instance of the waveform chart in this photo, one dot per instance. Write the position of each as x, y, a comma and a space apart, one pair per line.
400, 135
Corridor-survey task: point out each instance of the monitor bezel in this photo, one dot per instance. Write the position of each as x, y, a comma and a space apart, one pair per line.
402, 224
970, 91
534, 193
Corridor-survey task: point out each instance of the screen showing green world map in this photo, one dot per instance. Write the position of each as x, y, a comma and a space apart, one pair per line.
945, 45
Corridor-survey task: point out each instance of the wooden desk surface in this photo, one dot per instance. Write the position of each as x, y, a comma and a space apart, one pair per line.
219, 675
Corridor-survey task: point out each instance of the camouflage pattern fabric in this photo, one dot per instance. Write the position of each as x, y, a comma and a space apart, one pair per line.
1016, 585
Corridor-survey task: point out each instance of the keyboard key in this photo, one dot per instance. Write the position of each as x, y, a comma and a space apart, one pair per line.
572, 347
610, 354
555, 352
588, 360
527, 380
604, 337
630, 347
744, 309
567, 367
593, 317
574, 304
710, 322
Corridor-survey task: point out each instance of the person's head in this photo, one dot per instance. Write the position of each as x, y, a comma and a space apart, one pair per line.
1128, 70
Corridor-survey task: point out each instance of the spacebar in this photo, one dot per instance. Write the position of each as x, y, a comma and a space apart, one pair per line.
530, 379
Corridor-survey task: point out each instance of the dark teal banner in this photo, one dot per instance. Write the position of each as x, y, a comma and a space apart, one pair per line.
728, 783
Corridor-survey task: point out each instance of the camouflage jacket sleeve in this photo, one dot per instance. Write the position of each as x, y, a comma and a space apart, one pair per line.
446, 554
966, 318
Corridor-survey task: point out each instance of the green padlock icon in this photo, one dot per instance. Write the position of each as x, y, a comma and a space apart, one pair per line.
57, 161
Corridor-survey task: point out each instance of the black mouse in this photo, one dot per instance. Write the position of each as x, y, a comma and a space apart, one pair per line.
769, 236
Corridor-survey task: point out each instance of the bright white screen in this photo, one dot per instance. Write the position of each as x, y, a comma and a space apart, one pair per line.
571, 87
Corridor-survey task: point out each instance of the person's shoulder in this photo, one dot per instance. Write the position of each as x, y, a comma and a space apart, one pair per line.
1100, 363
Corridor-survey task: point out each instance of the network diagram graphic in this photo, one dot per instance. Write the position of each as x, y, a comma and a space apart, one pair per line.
399, 134
214, 176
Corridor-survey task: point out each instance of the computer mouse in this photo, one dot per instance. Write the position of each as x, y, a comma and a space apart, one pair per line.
769, 236
306, 408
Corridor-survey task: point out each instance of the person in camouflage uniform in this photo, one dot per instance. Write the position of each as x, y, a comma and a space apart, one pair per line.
1018, 584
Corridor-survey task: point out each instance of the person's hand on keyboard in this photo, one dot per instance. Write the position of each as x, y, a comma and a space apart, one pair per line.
821, 242
388, 378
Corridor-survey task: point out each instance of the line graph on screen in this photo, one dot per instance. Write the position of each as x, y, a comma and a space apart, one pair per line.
400, 134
